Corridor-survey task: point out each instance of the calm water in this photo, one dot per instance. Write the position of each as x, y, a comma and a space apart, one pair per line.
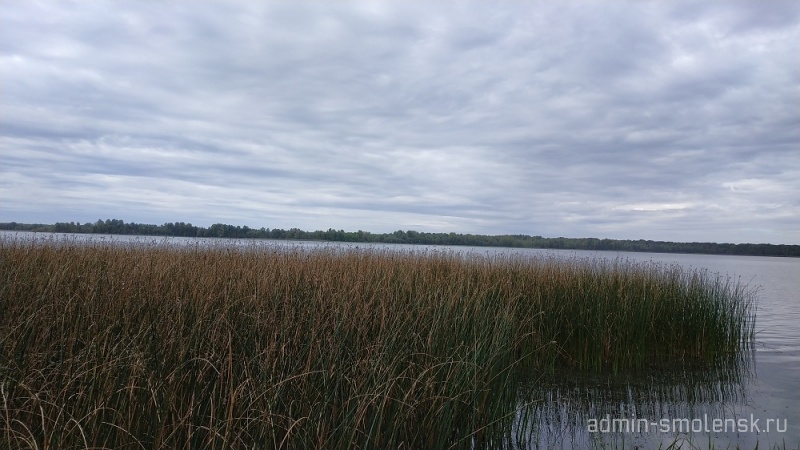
760, 392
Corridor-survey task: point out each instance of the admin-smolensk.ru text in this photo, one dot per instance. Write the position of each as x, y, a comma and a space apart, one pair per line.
703, 424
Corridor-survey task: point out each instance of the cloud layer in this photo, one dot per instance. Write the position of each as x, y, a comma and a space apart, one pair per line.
653, 120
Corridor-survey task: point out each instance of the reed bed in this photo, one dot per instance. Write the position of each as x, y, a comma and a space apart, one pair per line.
143, 345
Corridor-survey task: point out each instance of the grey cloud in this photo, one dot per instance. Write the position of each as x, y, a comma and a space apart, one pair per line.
572, 118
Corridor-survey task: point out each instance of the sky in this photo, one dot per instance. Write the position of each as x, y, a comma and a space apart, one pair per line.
675, 121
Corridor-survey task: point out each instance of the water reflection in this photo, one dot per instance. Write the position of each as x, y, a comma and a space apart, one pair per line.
568, 410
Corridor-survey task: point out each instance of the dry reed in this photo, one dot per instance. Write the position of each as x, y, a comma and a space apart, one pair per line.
145, 345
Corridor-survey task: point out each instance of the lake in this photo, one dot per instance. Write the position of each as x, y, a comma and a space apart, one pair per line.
749, 402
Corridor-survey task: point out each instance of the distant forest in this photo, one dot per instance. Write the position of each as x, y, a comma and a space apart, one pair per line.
116, 226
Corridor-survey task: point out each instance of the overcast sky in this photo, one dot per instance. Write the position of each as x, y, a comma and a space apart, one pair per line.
664, 120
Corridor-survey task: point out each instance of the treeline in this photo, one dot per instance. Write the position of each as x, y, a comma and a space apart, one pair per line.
116, 226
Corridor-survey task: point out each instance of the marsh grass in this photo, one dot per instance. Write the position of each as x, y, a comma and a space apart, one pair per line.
142, 345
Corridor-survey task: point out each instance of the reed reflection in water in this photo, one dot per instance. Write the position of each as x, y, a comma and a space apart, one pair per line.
559, 410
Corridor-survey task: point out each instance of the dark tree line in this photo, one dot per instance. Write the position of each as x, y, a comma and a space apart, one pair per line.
116, 226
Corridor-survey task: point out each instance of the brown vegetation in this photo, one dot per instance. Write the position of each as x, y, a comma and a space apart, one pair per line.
154, 346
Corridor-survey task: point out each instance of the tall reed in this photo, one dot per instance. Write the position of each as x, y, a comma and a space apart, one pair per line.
144, 345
